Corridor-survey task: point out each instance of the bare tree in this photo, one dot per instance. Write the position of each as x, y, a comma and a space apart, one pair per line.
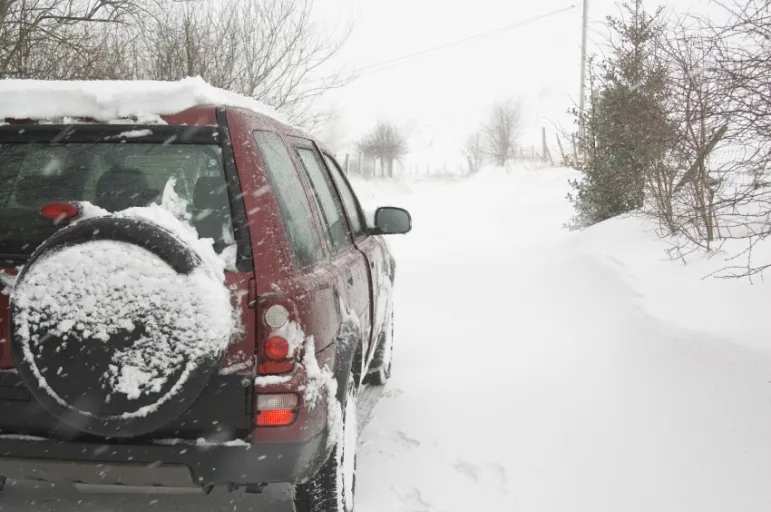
35, 34
273, 51
385, 143
502, 131
474, 151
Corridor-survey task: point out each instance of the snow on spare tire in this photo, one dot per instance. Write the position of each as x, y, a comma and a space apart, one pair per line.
120, 320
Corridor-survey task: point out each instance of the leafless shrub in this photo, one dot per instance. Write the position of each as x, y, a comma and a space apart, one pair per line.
684, 191
713, 190
474, 151
744, 63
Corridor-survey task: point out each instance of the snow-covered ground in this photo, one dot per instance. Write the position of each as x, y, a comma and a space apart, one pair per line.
542, 370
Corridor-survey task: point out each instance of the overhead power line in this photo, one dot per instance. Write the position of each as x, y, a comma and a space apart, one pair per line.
397, 61
468, 39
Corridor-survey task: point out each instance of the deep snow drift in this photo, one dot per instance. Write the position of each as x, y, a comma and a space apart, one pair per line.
541, 370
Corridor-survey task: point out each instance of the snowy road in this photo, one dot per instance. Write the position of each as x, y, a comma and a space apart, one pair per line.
528, 377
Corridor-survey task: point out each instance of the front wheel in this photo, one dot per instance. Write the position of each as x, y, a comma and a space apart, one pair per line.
334, 486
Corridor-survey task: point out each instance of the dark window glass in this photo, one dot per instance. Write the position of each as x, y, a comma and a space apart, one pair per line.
292, 201
334, 225
350, 203
186, 179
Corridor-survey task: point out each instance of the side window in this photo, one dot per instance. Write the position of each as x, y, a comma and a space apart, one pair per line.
334, 225
290, 194
350, 202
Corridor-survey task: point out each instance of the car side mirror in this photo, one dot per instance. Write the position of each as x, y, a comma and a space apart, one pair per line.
390, 220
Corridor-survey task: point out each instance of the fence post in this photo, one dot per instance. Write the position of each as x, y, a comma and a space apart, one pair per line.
562, 151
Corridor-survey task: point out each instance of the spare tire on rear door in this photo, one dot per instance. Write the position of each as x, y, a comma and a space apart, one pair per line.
117, 325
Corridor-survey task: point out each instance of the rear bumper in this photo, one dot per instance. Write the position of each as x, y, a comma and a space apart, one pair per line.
159, 465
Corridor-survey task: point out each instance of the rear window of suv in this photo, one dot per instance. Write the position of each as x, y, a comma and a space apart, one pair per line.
187, 179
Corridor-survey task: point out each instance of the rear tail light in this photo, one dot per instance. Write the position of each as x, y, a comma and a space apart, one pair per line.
276, 357
59, 211
275, 353
277, 418
276, 410
276, 348
276, 402
276, 367
276, 316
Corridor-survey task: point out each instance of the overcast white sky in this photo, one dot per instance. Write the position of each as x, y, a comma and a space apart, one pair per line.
442, 96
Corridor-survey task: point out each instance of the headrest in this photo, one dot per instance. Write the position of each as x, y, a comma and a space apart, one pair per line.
121, 188
210, 193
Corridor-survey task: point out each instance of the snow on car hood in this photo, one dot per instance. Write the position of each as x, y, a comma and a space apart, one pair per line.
101, 287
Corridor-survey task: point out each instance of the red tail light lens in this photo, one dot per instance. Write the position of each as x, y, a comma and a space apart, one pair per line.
276, 348
277, 418
59, 211
275, 368
276, 410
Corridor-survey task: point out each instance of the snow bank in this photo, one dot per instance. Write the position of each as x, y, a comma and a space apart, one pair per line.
610, 385
107, 100
682, 287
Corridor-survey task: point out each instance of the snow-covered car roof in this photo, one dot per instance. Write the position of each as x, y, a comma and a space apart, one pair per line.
110, 100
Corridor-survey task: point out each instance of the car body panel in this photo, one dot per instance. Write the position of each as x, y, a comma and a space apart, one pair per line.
349, 285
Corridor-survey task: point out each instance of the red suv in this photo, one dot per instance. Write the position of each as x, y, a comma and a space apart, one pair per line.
138, 351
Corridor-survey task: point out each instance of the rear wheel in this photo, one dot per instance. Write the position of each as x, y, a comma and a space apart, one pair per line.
334, 486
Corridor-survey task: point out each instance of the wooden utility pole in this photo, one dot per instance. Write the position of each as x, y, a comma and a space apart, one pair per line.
582, 94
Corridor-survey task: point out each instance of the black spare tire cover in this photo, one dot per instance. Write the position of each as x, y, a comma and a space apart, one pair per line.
117, 326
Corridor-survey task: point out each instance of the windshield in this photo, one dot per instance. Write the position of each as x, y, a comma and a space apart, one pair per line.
186, 179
